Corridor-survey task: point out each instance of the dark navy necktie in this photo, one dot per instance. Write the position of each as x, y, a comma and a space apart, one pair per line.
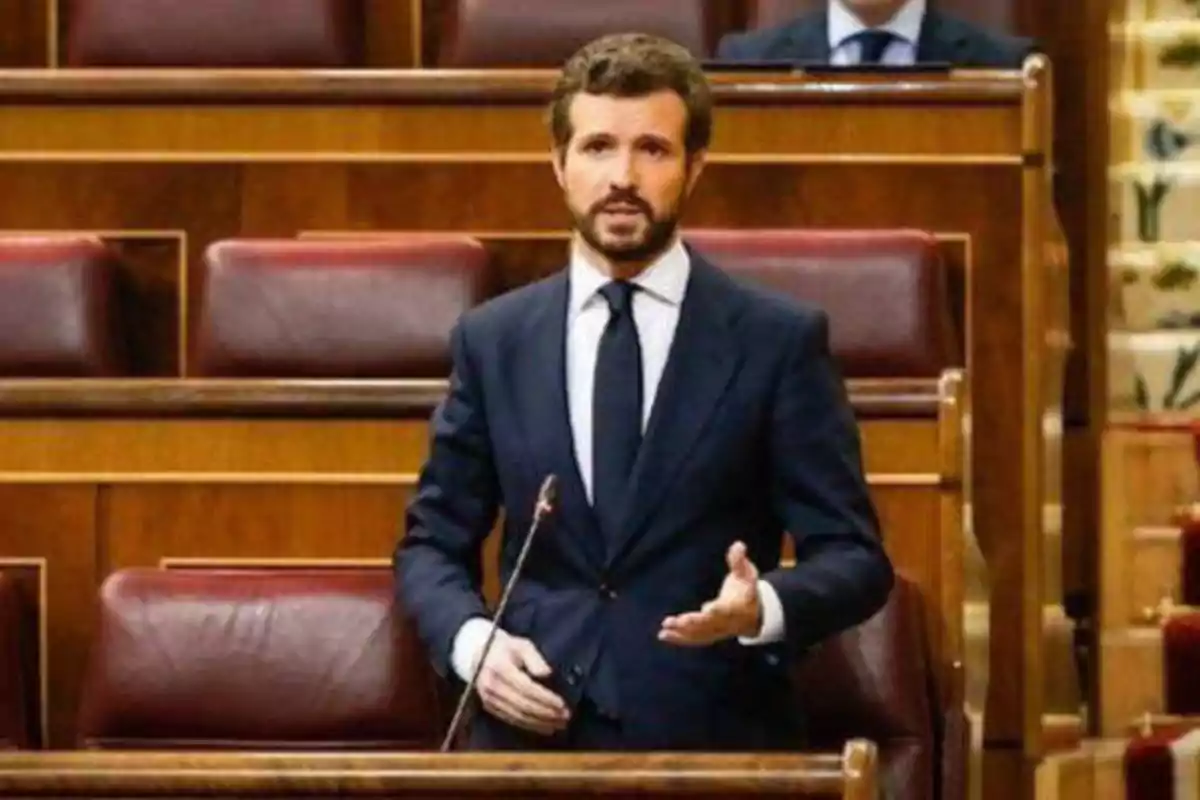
616, 408
873, 43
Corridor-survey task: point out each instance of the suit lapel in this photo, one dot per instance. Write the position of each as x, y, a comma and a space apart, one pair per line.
704, 358
809, 39
940, 42
539, 383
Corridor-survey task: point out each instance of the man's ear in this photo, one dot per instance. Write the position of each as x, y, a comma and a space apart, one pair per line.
558, 156
697, 161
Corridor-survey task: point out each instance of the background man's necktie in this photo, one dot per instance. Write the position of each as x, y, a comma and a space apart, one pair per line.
616, 407
874, 43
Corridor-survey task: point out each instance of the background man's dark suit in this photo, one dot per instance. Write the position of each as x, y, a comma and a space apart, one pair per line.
750, 435
943, 39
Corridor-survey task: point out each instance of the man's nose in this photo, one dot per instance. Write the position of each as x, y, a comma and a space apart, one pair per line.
624, 172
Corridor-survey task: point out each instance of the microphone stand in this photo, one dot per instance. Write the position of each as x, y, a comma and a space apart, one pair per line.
545, 504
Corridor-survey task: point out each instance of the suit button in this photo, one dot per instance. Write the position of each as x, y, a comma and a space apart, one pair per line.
608, 592
574, 675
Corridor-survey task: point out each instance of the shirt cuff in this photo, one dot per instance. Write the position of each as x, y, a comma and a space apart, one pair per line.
773, 628
468, 646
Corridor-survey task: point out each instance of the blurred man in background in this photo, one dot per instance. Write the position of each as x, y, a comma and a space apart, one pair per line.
878, 32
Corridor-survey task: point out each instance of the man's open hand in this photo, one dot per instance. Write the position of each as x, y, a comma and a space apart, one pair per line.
735, 611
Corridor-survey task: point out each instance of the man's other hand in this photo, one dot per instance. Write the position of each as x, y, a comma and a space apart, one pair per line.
736, 611
507, 688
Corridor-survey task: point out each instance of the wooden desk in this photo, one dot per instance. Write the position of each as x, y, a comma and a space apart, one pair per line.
165, 164
102, 476
852, 775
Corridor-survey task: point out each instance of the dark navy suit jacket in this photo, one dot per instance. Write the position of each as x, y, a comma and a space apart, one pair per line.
943, 39
751, 435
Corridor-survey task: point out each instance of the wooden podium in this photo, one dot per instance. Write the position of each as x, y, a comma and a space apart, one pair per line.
849, 776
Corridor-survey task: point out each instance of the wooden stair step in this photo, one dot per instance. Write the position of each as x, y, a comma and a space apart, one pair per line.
1156, 569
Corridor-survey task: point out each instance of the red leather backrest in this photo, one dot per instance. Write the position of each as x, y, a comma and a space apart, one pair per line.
282, 659
545, 33
58, 308
873, 681
214, 33
886, 292
333, 309
769, 13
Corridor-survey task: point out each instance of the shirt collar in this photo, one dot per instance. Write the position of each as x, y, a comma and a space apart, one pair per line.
666, 278
906, 25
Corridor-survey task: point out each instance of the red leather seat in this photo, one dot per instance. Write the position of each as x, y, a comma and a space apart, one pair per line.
58, 315
286, 659
214, 33
545, 33
381, 308
875, 681
292, 659
995, 15
769, 13
888, 293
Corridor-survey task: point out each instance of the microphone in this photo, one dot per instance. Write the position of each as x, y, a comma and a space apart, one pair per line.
547, 497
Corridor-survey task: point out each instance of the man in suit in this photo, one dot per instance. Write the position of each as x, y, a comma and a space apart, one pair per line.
690, 420
887, 32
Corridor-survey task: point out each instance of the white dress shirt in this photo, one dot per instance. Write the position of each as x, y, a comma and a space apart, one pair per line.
656, 309
845, 51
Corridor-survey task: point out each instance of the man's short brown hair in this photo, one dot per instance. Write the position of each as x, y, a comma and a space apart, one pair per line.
634, 65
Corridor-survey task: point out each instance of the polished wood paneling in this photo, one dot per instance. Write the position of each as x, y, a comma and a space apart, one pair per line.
851, 775
393, 33
57, 524
147, 523
29, 576
181, 488
24, 34
1092, 770
1076, 35
1149, 480
149, 448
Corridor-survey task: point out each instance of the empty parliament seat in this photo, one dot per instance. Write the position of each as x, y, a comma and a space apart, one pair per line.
287, 659
214, 33
545, 33
897, 277
333, 309
58, 308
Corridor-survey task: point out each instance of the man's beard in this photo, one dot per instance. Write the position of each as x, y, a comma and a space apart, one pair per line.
658, 234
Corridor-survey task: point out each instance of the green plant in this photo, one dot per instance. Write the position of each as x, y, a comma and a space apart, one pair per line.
1175, 275
1185, 364
1181, 55
1150, 200
1141, 393
1186, 359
